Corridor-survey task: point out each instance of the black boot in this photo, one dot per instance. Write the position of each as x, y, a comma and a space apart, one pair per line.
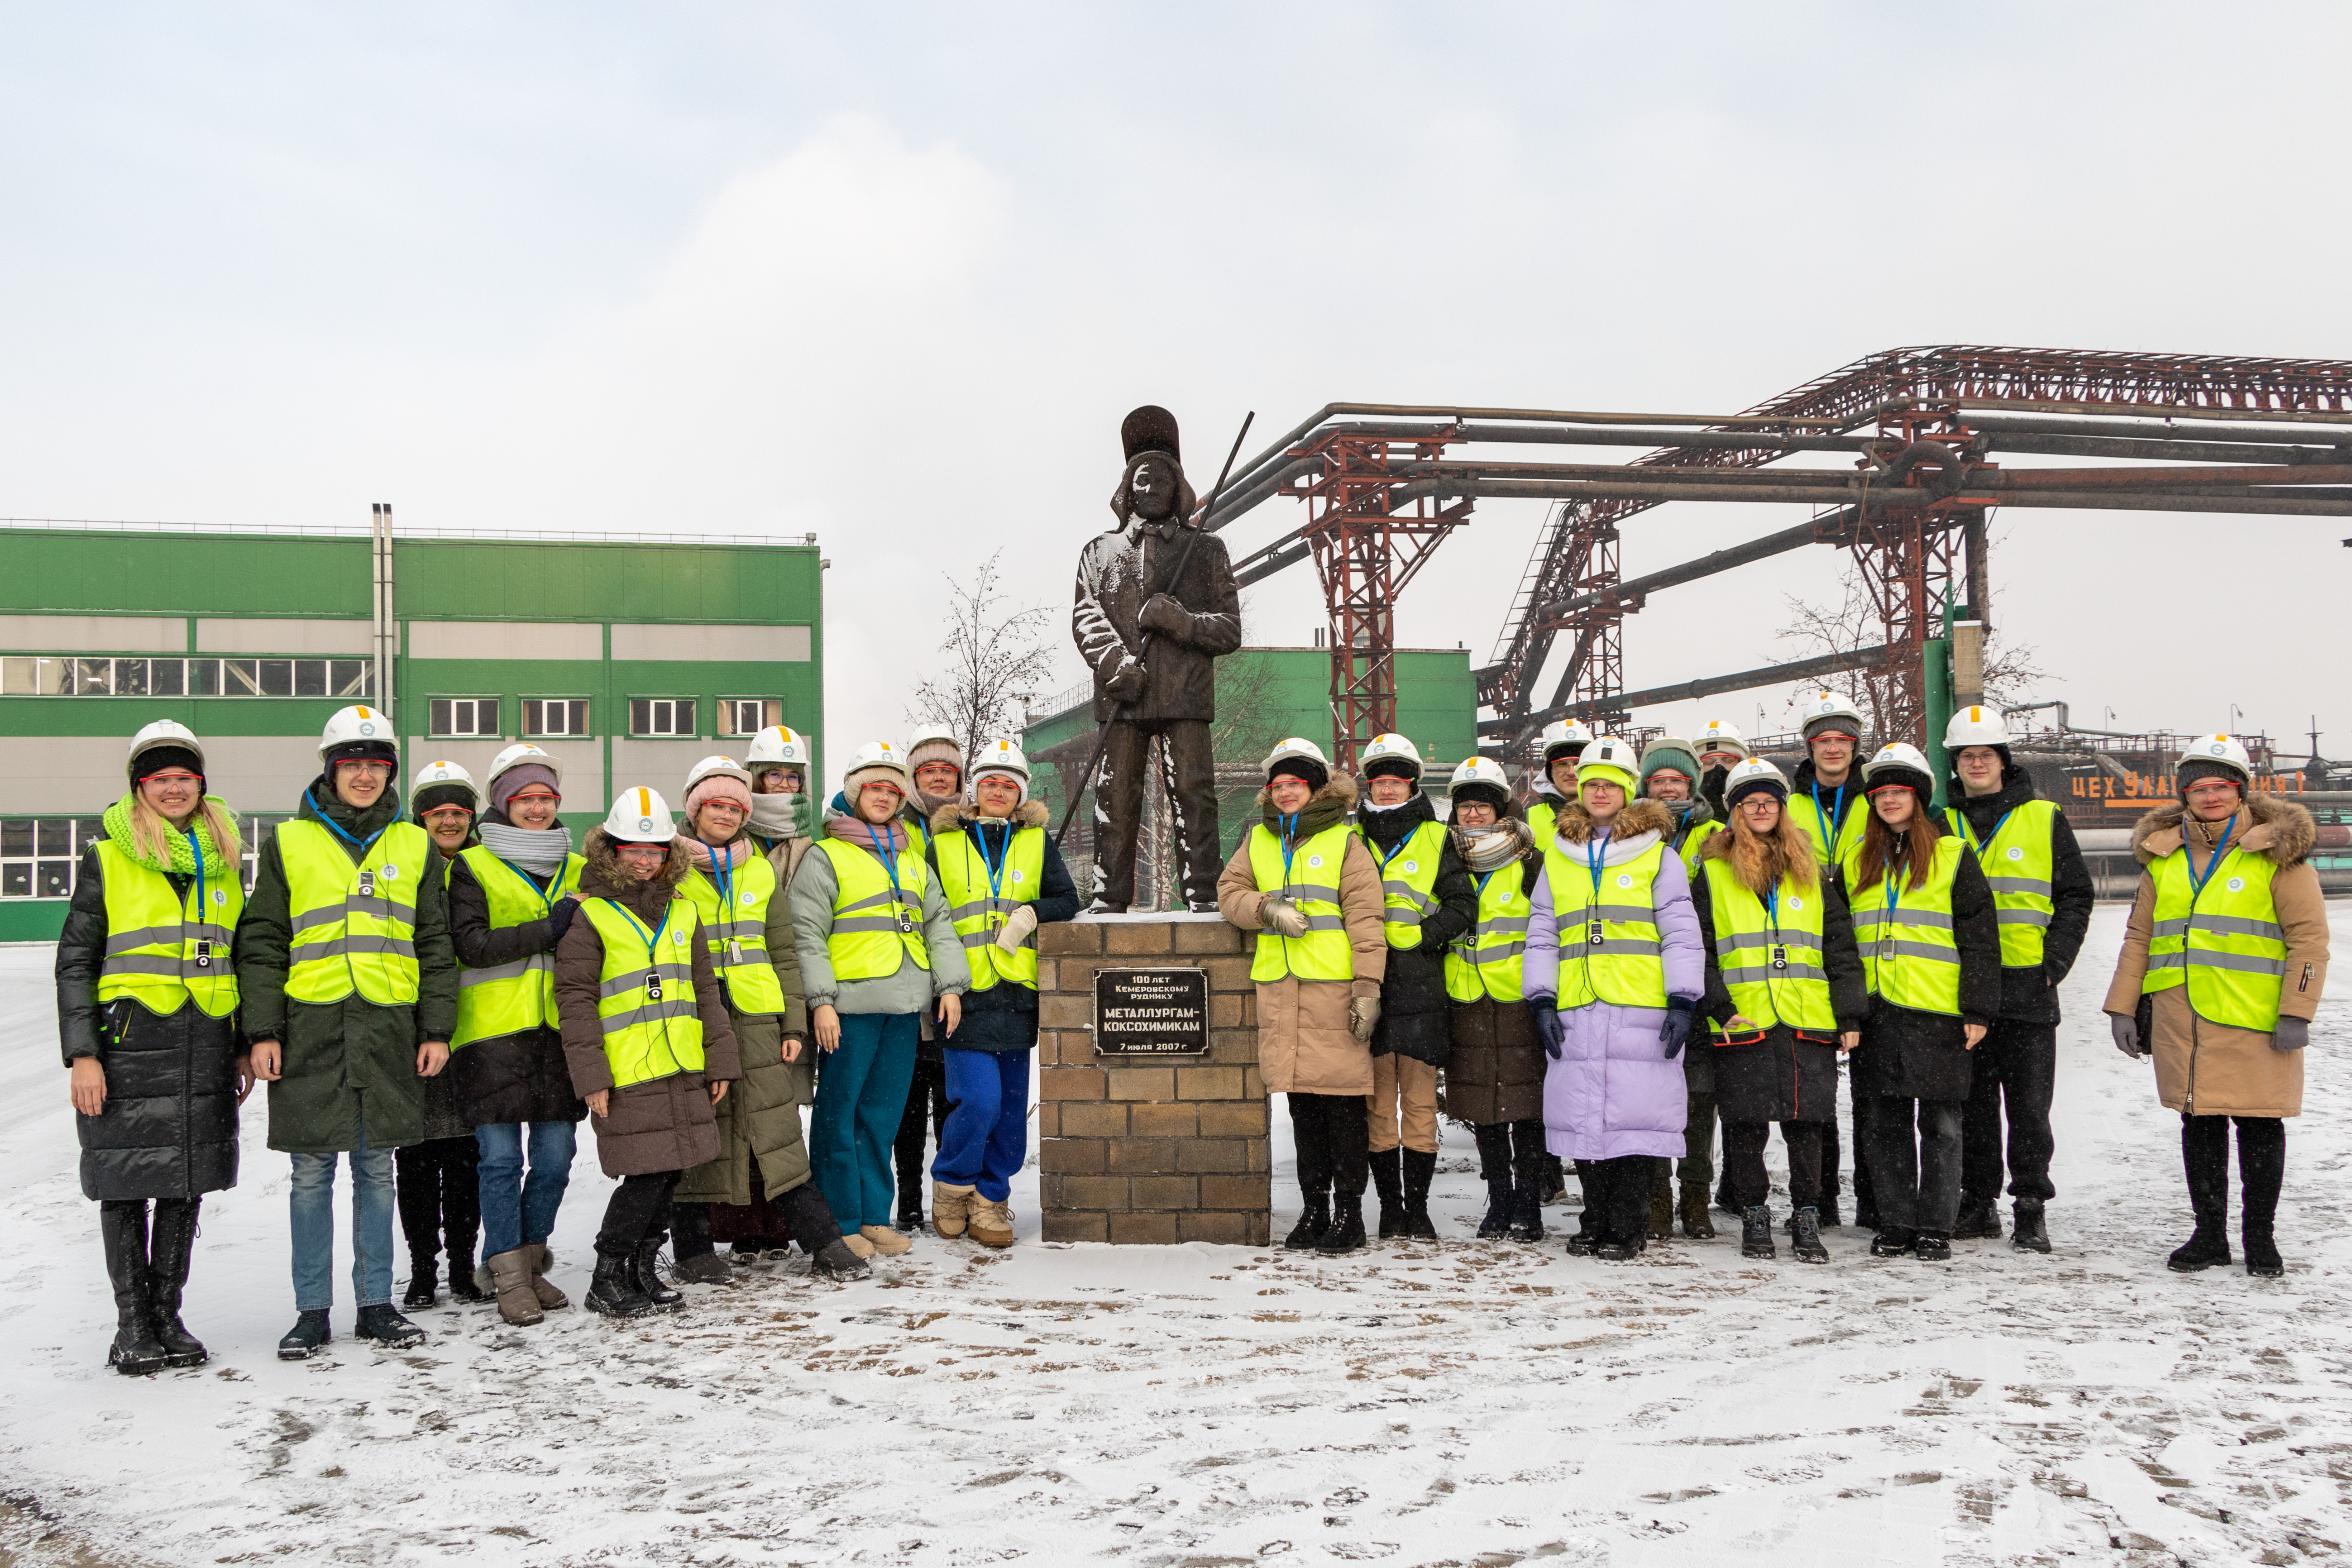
2205, 1161
307, 1337
909, 1218
692, 1255
2261, 1170
1346, 1231
424, 1279
1495, 1169
1722, 1196
1808, 1247
1314, 1219
167, 1276
1756, 1233
1585, 1239
384, 1325
1388, 1179
1932, 1246
613, 1290
1526, 1211
136, 1351
1420, 1170
1978, 1220
461, 1221
1553, 1188
2029, 1236
416, 1191
1313, 1141
1499, 1195
1825, 1215
1891, 1241
645, 1270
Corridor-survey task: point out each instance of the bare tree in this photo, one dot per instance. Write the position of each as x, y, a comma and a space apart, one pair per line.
993, 656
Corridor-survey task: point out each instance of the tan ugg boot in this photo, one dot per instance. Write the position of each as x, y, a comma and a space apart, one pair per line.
510, 1279
885, 1240
991, 1223
551, 1300
951, 1208
855, 1241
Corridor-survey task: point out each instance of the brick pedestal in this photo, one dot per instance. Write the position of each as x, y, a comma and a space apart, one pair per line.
1145, 1150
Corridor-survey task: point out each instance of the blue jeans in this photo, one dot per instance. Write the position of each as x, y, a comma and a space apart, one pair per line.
861, 1093
987, 1134
310, 1208
519, 1210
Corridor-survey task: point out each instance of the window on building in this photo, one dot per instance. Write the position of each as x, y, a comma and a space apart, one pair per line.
32, 675
554, 716
748, 715
661, 716
453, 716
41, 856
46, 674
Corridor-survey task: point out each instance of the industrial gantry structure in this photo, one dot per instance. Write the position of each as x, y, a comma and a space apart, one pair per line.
1919, 429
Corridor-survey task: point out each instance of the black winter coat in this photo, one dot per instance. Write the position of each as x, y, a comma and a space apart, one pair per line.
2031, 994
1909, 1055
509, 1077
1416, 1016
1004, 1016
169, 1127
1784, 1077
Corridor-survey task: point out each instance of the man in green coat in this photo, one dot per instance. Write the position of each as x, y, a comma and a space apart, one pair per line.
349, 992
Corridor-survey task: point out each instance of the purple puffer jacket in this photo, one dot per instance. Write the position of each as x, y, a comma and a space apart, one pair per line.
1614, 1090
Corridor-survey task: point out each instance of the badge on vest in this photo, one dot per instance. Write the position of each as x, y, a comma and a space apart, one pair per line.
2017, 851
367, 884
1780, 958
1624, 878
1592, 934
906, 921
391, 872
652, 987
204, 954
1411, 866
2237, 884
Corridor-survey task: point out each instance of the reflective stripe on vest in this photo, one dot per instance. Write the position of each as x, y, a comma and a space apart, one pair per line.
153, 954
1312, 882
647, 1035
874, 929
1491, 958
1909, 952
507, 998
1749, 933
978, 915
354, 926
1408, 881
2019, 860
2223, 940
1626, 967
739, 937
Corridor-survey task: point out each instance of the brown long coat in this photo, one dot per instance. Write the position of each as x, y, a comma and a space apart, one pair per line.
2202, 1067
665, 1123
1304, 1044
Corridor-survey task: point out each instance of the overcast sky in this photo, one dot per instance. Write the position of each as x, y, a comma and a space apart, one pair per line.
892, 274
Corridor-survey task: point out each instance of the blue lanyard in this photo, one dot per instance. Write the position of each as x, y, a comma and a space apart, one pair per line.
196, 853
553, 878
722, 877
1596, 850
1390, 858
1962, 818
1830, 826
362, 846
1772, 909
995, 863
1289, 846
653, 937
889, 864
2196, 882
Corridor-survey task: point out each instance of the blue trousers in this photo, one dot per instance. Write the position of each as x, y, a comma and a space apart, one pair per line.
987, 1134
518, 1209
861, 1093
310, 1212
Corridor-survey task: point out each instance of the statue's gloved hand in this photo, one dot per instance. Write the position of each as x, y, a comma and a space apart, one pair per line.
1281, 917
1126, 682
1017, 927
1363, 1017
1164, 617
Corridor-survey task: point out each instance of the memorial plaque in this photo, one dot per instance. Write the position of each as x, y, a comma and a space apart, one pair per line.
1152, 1013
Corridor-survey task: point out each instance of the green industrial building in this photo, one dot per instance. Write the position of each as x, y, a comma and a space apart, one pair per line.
628, 657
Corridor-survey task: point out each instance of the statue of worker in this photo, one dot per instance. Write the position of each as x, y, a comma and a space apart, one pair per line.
1156, 606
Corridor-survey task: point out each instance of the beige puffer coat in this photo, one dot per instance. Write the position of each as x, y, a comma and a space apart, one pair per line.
1304, 1044
2202, 1067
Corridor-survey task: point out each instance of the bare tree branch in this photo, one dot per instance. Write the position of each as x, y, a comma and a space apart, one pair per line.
994, 658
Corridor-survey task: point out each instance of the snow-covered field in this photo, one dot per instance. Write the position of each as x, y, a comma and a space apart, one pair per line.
1463, 1403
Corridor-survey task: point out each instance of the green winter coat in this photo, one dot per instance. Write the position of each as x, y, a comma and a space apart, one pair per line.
760, 1116
350, 1066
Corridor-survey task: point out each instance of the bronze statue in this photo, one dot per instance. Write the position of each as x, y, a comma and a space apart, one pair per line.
1161, 575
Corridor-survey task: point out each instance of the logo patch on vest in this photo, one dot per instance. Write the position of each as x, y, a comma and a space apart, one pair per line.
1624, 878
389, 872
2237, 884
678, 938
750, 901
1018, 875
1411, 866
2017, 851
1795, 902
1315, 860
220, 896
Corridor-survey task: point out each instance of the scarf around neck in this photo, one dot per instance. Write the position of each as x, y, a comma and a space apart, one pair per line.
184, 860
781, 815
540, 849
856, 830
737, 849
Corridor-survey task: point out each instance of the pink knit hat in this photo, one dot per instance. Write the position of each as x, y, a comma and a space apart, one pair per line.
718, 786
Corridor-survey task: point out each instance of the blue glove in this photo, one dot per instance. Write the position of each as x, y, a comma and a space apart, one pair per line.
1677, 1026
1549, 1028
2291, 1034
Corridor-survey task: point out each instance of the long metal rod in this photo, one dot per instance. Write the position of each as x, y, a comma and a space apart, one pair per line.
1823, 531
2276, 506
1693, 691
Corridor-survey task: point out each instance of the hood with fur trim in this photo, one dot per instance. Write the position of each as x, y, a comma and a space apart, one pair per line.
604, 876
955, 817
2281, 831
1574, 826
1325, 808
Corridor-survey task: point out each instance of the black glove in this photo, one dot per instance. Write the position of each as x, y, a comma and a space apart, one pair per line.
559, 917
1549, 1028
1677, 1025
1163, 616
2291, 1034
2126, 1029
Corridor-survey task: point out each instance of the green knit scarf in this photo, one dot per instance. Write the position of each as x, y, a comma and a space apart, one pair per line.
118, 828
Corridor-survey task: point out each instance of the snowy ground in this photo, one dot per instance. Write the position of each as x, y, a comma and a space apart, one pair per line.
1462, 1403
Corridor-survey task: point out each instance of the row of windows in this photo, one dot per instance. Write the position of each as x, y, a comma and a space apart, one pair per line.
39, 855
37, 675
461, 717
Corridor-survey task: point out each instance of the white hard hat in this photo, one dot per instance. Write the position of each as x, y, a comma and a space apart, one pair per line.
1563, 733
1480, 771
515, 756
1002, 755
881, 760
1721, 736
639, 815
778, 746
1753, 771
355, 726
1829, 705
1611, 753
1975, 727
1391, 749
433, 773
2224, 750
163, 733
936, 735
1894, 756
725, 767
1294, 746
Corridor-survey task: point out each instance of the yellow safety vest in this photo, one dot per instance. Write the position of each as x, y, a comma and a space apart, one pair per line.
1310, 877
1490, 960
980, 903
1769, 953
505, 999
1543, 818
874, 923
739, 936
2220, 938
354, 926
1610, 946
2019, 860
1839, 845
1697, 843
1408, 881
645, 994
162, 950
1908, 947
